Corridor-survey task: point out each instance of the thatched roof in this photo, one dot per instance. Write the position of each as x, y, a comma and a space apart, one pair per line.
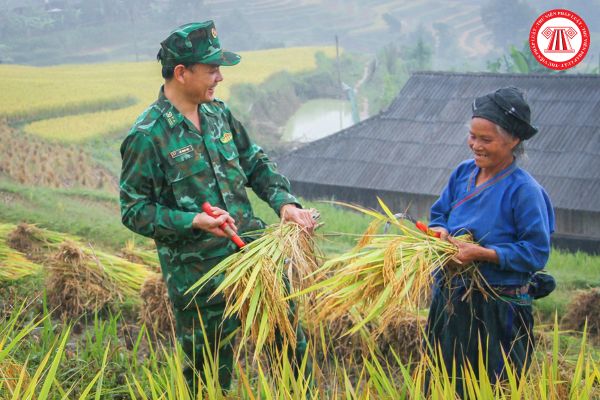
414, 145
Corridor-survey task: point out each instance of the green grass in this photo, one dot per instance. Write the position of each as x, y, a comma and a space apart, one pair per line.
572, 271
128, 362
52, 361
92, 215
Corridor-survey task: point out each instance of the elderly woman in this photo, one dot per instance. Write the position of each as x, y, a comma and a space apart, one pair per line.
511, 218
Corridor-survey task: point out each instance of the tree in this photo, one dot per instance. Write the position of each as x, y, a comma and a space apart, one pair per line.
19, 17
418, 57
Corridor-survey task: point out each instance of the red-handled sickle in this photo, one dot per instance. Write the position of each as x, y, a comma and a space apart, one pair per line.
425, 229
420, 225
207, 208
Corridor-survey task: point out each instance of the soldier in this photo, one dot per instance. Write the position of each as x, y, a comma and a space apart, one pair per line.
185, 149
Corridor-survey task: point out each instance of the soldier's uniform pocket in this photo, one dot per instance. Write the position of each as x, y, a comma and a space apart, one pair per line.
189, 178
231, 159
183, 276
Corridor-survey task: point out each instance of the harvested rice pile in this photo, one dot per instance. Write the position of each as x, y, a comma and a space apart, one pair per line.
156, 312
127, 275
35, 242
585, 305
13, 263
75, 284
258, 280
108, 277
330, 337
403, 336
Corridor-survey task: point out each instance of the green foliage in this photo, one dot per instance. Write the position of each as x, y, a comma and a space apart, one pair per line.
418, 57
386, 78
519, 62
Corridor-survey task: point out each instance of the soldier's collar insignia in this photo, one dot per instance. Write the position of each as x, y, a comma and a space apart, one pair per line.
226, 137
181, 151
172, 118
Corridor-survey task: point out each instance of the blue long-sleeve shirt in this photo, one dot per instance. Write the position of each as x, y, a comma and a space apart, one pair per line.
511, 213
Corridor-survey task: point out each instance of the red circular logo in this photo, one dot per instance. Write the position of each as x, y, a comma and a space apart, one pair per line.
559, 39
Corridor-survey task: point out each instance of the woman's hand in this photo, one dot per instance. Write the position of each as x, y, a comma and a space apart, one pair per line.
471, 252
443, 231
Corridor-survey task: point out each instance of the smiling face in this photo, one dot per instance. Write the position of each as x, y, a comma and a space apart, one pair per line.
491, 149
200, 82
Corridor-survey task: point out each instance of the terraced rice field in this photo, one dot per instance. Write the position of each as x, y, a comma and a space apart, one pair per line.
361, 23
73, 103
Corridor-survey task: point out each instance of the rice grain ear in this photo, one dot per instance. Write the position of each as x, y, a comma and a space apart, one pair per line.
367, 237
258, 281
384, 276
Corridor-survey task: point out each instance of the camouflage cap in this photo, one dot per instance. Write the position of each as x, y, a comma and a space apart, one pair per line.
196, 42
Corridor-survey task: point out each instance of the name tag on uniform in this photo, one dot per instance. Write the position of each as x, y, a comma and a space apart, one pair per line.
183, 150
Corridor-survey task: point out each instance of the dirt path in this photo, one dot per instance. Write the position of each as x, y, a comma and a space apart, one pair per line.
363, 111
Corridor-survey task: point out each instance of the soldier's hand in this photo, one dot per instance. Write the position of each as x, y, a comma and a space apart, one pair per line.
304, 218
207, 223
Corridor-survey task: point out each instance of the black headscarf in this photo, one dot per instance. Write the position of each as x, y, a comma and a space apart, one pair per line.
507, 108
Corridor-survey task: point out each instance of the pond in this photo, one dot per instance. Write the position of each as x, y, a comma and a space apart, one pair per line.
318, 118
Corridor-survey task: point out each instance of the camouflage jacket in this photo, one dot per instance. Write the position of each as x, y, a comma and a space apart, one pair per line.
170, 168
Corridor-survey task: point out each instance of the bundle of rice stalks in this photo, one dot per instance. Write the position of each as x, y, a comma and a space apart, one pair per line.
13, 264
41, 244
156, 311
258, 280
35, 242
385, 275
127, 275
137, 255
584, 306
75, 284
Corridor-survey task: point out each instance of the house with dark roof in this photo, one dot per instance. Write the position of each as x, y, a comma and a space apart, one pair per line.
406, 153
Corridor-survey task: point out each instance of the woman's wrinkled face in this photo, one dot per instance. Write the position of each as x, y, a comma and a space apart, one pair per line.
491, 149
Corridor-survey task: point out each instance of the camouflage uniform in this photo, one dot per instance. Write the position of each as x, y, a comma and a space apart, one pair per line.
169, 170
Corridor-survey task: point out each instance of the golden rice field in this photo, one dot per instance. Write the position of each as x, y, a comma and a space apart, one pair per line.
73, 103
